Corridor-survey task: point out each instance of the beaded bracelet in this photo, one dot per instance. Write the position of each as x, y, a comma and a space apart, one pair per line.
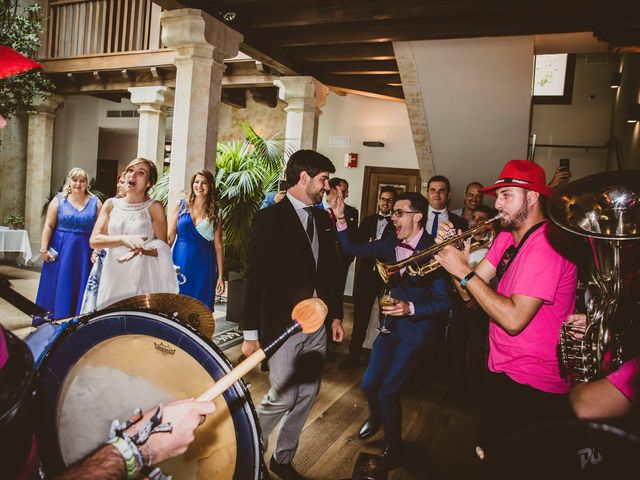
132, 461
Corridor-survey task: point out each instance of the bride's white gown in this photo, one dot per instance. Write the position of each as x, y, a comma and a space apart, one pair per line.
141, 274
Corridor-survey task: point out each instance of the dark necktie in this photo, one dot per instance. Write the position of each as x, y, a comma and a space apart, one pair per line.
434, 226
309, 211
384, 217
332, 216
405, 245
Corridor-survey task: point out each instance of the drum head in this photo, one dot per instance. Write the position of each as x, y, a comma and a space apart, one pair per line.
122, 360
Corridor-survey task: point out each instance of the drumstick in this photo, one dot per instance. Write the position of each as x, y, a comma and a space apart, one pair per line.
308, 316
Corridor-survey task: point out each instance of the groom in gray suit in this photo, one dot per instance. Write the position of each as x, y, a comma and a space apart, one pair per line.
291, 256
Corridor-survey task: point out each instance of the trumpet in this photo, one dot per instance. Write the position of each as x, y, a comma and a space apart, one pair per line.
422, 263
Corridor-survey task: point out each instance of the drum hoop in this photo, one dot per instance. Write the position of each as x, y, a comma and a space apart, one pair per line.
239, 387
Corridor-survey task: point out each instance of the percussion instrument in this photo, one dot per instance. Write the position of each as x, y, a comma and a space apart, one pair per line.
103, 366
17, 390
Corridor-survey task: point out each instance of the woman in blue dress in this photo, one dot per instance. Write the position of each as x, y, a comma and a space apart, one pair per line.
197, 250
64, 246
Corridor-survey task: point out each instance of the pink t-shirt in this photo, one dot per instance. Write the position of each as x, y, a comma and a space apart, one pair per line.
539, 271
627, 379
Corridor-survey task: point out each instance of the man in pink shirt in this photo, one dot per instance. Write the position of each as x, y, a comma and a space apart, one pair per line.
535, 293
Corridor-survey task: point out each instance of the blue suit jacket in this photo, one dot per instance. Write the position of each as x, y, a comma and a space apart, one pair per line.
430, 295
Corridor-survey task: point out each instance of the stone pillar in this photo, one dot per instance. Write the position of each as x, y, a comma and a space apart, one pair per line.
153, 103
201, 44
39, 158
305, 96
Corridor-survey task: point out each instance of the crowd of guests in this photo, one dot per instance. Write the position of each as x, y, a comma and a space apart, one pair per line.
95, 255
490, 318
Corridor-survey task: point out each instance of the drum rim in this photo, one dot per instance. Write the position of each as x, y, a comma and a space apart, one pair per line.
75, 323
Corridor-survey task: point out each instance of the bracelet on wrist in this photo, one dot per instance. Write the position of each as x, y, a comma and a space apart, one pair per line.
132, 459
44, 250
465, 280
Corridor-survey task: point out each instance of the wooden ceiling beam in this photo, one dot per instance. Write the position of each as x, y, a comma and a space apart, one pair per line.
361, 79
320, 13
362, 66
344, 53
455, 27
265, 96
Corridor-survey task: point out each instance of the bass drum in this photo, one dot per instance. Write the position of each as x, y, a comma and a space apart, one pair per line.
104, 367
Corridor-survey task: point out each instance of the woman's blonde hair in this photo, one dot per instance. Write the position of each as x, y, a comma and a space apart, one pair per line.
153, 171
74, 174
210, 201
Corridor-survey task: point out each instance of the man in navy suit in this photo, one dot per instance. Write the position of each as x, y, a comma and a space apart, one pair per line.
417, 302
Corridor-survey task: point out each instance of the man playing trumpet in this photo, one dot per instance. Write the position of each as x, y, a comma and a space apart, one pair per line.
415, 303
535, 293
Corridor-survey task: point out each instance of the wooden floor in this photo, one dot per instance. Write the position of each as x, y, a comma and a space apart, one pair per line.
438, 434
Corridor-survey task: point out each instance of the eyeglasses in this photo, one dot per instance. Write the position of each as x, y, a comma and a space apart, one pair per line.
505, 260
386, 200
400, 213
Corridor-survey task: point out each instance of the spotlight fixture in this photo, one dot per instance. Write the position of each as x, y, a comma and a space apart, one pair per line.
633, 115
229, 16
616, 79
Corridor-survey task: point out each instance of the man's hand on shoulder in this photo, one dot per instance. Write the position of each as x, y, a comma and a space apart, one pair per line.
250, 346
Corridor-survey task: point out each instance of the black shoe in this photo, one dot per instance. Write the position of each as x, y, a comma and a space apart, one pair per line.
368, 428
349, 362
392, 458
285, 471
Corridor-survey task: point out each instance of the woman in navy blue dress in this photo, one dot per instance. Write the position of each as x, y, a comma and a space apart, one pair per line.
64, 247
195, 231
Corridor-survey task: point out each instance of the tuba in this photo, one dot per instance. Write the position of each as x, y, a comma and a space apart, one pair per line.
422, 263
604, 208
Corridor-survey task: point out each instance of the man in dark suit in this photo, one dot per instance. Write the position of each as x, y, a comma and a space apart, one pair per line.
416, 302
339, 186
291, 256
368, 284
438, 194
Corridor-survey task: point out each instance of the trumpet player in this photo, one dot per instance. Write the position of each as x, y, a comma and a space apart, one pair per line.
415, 304
536, 283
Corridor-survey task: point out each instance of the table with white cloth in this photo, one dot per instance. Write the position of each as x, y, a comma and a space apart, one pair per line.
15, 241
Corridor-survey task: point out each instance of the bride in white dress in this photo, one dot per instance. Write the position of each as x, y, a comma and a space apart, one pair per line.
134, 230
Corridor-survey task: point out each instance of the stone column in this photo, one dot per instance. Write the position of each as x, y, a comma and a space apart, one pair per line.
201, 44
39, 158
305, 96
153, 103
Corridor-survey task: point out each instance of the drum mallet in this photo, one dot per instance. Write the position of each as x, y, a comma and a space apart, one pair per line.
308, 316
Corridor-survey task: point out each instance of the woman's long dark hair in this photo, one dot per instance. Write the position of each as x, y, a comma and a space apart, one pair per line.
210, 201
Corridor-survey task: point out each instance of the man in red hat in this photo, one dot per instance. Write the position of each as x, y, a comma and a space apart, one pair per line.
535, 293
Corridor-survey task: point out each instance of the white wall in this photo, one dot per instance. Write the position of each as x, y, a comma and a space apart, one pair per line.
364, 118
75, 141
586, 121
477, 96
115, 145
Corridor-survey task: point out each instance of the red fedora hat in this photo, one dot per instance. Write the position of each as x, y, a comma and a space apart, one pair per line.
521, 173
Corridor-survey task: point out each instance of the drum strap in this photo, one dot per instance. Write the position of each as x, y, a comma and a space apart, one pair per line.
153, 425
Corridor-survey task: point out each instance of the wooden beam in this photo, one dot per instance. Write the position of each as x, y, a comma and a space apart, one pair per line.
235, 97
110, 83
112, 97
344, 53
237, 81
265, 96
360, 79
369, 67
383, 94
118, 61
456, 27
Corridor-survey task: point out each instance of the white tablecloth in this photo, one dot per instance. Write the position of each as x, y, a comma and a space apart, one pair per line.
15, 241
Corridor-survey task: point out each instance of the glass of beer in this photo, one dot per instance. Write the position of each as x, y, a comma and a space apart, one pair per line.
385, 300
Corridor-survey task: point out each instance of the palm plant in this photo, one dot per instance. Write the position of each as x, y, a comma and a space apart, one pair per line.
245, 171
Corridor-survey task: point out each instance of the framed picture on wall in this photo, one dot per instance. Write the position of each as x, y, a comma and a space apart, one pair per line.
402, 179
553, 79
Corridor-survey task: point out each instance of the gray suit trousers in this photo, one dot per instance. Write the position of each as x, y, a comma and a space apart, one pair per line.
295, 372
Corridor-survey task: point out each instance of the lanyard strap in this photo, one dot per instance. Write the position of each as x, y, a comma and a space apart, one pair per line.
512, 251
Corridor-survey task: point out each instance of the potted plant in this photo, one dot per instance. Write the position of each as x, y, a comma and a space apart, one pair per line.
14, 220
245, 171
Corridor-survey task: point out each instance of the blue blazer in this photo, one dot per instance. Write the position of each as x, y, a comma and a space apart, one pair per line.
430, 295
